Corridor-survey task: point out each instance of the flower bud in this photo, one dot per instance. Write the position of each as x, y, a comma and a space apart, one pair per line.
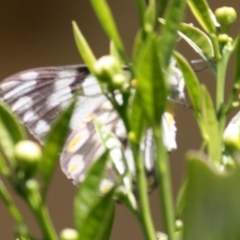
69, 234
178, 225
232, 141
224, 38
21, 230
106, 67
28, 154
132, 137
119, 81
226, 15
161, 236
229, 163
32, 185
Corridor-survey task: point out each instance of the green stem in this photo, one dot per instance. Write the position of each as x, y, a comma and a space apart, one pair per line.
5, 196
46, 224
165, 186
221, 72
221, 75
39, 209
144, 214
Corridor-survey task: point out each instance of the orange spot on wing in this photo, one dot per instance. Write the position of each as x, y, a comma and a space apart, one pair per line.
134, 83
72, 144
170, 115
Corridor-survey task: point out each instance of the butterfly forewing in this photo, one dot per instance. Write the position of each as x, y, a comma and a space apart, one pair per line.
38, 95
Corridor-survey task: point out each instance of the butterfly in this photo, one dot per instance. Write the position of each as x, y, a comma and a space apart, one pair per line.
38, 95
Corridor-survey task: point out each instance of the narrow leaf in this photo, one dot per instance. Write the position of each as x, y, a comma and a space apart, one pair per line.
194, 91
54, 143
141, 5
211, 125
106, 19
150, 16
197, 39
138, 43
174, 16
11, 132
150, 81
237, 69
200, 10
12, 124
191, 81
136, 117
98, 223
88, 193
83, 47
162, 4
236, 85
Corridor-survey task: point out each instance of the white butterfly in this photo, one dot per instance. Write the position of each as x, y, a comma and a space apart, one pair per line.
38, 95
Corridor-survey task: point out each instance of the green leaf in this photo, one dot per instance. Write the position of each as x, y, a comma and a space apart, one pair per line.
141, 5
106, 19
114, 52
83, 47
150, 16
236, 86
210, 122
194, 91
150, 80
181, 200
98, 223
174, 16
136, 117
88, 193
162, 4
202, 13
198, 40
191, 81
138, 43
236, 45
54, 143
3, 165
212, 211
11, 131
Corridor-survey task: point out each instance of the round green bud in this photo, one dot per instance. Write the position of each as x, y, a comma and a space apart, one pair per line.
21, 230
161, 236
132, 136
106, 67
224, 38
229, 164
32, 185
69, 234
178, 225
119, 81
232, 142
28, 155
226, 15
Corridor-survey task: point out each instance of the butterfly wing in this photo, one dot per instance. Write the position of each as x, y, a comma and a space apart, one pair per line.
84, 145
37, 96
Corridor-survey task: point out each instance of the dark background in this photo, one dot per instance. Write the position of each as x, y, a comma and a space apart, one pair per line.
39, 33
